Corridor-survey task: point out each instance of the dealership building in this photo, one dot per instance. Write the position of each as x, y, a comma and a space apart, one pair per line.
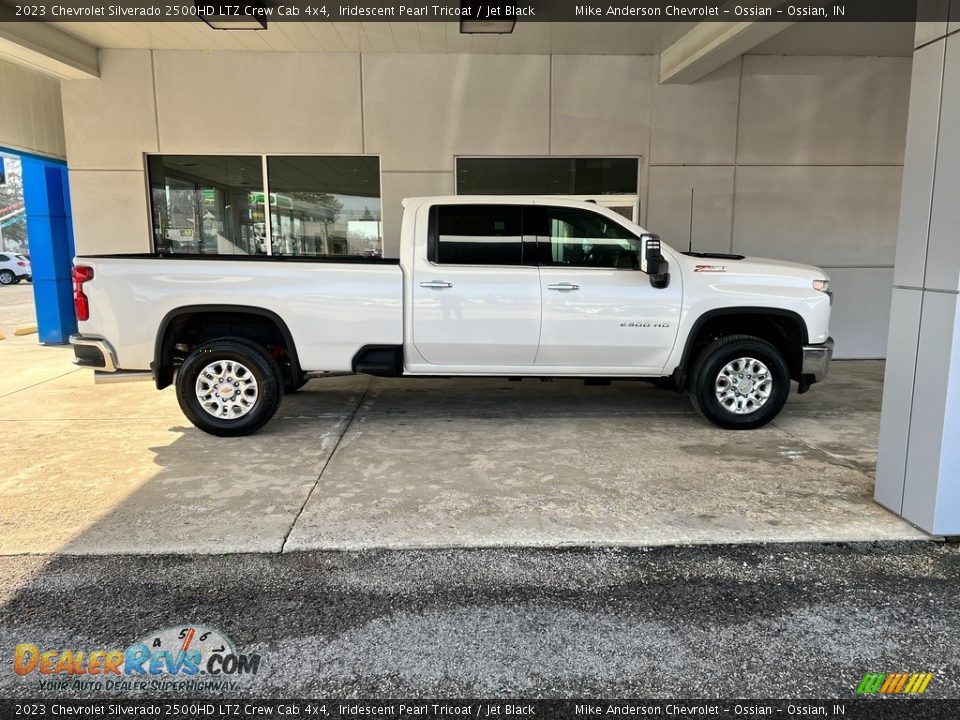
836, 145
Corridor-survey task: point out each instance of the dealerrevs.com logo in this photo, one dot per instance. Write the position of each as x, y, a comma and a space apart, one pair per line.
186, 657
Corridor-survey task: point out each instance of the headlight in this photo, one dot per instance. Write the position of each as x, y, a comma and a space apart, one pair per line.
821, 285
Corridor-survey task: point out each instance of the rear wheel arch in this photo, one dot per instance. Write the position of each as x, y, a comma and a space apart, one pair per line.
785, 329
250, 323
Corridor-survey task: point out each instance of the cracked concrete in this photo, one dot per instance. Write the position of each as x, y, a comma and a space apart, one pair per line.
356, 462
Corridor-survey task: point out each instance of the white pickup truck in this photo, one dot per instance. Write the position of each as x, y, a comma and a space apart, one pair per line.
484, 286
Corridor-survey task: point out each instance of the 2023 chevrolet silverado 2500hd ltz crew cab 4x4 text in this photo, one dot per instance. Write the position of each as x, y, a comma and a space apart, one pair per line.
485, 286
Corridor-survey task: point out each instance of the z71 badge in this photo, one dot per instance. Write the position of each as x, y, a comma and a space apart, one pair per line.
710, 268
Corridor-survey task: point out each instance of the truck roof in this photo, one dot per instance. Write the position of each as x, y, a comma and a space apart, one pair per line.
499, 200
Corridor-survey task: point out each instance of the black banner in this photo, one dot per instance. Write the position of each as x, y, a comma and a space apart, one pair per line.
270, 11
875, 708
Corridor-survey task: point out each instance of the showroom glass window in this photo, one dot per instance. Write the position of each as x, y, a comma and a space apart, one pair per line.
319, 206
207, 204
613, 182
579, 238
478, 235
325, 206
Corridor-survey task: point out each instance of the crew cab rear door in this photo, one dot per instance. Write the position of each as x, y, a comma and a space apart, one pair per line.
475, 303
599, 310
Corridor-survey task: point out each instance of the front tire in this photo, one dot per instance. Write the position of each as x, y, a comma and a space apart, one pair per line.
740, 382
229, 387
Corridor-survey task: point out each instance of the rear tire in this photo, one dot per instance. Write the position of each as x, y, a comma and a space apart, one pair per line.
7, 277
740, 382
229, 387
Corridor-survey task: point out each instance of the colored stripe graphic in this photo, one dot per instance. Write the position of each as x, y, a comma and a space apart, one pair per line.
894, 683
188, 640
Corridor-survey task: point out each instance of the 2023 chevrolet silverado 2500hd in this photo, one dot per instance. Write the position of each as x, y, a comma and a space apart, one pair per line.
485, 286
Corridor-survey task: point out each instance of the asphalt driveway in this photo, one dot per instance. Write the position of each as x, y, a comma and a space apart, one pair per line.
758, 621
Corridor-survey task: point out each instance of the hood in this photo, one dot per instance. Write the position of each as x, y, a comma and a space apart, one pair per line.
725, 264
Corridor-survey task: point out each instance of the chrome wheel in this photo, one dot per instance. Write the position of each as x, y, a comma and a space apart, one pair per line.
227, 389
743, 386
6, 278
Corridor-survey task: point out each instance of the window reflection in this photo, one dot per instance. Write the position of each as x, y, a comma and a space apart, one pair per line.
479, 235
325, 206
207, 204
214, 205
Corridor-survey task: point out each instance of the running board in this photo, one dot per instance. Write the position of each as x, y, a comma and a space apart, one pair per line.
106, 378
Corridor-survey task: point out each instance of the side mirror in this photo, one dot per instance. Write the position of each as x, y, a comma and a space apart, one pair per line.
652, 261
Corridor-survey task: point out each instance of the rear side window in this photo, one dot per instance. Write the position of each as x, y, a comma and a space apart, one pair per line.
477, 235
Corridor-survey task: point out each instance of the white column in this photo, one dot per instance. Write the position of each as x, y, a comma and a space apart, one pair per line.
918, 468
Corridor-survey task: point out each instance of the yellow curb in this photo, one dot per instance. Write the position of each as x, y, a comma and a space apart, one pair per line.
26, 330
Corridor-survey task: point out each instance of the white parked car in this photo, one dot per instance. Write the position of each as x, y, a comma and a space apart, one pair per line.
14, 268
484, 286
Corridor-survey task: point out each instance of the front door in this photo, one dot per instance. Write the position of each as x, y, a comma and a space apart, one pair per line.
599, 310
475, 304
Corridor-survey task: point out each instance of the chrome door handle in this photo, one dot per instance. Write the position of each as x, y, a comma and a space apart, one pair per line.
563, 286
436, 284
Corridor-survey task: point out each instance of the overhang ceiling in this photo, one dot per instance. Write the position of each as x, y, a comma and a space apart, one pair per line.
385, 37
576, 38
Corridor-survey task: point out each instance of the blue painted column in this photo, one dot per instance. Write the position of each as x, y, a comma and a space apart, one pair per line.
46, 198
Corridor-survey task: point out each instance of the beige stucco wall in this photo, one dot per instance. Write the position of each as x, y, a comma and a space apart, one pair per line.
30, 117
790, 157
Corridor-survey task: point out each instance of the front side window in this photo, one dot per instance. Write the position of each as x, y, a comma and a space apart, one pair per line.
580, 238
478, 235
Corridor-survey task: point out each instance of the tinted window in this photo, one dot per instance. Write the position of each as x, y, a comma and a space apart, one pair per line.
580, 238
325, 205
214, 205
4, 258
547, 176
207, 204
478, 234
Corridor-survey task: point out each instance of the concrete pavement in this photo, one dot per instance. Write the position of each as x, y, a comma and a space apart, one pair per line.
356, 462
16, 307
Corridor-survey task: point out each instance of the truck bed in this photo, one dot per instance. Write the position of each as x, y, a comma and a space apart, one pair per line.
331, 306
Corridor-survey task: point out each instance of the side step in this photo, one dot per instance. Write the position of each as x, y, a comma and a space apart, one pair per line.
106, 378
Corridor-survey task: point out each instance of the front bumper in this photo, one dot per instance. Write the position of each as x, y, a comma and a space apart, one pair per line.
93, 353
816, 361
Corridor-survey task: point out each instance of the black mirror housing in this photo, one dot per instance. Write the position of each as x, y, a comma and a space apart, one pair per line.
652, 261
